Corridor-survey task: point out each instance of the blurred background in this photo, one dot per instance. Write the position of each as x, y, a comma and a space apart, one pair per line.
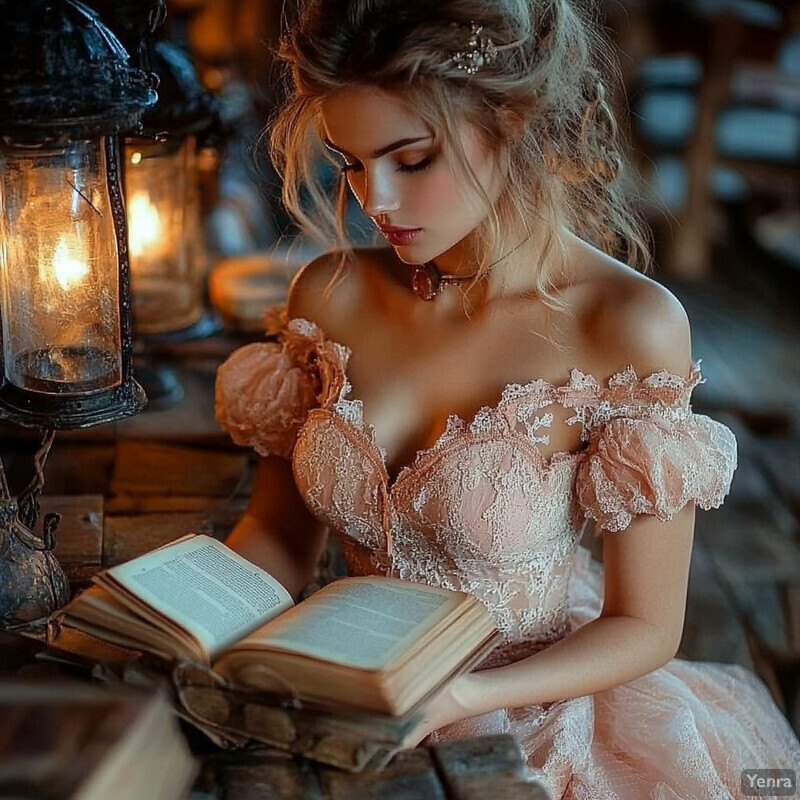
709, 95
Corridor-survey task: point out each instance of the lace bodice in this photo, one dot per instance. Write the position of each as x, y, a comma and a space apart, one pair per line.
482, 510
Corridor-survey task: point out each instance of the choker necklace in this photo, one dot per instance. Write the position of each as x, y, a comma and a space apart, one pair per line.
427, 281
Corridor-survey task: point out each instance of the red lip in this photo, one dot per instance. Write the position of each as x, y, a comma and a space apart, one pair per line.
401, 238
396, 229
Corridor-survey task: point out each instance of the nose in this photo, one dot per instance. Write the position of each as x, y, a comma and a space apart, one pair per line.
378, 193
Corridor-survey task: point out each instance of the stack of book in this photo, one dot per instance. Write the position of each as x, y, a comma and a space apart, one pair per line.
342, 677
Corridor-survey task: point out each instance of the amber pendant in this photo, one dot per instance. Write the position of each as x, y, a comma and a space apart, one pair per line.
425, 282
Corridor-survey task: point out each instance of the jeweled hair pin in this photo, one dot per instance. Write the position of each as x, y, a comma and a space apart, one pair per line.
480, 51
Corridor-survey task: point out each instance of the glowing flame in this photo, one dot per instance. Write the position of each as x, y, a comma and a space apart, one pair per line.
144, 224
69, 271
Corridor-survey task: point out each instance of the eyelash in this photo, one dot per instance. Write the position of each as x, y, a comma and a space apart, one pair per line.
407, 168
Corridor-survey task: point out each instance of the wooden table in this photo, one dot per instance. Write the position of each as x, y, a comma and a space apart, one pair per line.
485, 768
126, 488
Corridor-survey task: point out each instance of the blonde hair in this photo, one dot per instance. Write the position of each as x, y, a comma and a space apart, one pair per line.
543, 99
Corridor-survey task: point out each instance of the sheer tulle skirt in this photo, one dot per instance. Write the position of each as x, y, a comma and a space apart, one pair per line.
685, 731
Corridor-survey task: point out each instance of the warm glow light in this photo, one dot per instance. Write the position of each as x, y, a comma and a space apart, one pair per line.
69, 271
136, 158
144, 224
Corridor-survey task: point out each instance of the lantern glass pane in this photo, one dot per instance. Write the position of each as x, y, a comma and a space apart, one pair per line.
161, 185
59, 273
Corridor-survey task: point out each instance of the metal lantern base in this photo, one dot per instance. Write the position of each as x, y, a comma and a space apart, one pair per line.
67, 412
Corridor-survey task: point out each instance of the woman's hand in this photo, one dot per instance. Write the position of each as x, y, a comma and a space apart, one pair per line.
456, 701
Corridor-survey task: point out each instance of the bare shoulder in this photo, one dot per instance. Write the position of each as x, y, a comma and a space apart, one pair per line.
632, 319
331, 290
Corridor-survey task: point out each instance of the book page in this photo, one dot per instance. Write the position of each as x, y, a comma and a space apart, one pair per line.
98, 613
204, 587
358, 622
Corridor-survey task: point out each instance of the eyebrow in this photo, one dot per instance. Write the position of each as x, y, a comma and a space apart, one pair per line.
381, 151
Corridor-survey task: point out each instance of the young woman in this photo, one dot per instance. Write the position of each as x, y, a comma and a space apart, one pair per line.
457, 406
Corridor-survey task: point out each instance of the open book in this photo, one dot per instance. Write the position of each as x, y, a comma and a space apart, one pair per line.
373, 644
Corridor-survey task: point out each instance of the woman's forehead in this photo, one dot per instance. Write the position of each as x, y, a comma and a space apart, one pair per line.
364, 119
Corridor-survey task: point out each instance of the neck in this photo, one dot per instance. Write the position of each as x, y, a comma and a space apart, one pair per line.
512, 273
459, 261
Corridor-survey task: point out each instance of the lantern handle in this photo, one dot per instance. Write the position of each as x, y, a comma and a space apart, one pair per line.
28, 501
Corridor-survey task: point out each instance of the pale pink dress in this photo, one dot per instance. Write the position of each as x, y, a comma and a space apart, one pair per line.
483, 511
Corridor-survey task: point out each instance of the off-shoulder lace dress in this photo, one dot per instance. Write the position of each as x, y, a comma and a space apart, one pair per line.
483, 511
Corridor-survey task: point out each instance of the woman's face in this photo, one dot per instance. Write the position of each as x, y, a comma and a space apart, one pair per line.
401, 178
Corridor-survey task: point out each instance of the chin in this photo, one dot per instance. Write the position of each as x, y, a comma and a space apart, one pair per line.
408, 258
409, 255
416, 256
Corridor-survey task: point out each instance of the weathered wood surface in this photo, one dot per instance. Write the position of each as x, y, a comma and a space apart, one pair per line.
488, 768
79, 536
156, 468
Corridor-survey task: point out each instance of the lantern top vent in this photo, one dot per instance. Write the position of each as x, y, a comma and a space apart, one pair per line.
64, 75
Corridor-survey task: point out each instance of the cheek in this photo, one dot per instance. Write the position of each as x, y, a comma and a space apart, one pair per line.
448, 195
438, 191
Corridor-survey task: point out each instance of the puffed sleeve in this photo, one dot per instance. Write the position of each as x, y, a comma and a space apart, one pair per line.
653, 458
265, 390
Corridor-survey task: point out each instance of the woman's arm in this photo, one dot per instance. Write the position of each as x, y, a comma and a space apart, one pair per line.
277, 531
638, 630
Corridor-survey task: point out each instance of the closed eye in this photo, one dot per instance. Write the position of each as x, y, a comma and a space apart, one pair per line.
357, 166
420, 165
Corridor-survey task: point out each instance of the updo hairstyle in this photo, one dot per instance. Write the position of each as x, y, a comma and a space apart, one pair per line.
542, 101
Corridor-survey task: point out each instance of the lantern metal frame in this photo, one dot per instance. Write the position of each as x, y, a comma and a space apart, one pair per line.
64, 77
184, 108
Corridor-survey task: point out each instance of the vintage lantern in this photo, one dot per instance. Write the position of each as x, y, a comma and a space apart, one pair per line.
165, 231
167, 270
66, 92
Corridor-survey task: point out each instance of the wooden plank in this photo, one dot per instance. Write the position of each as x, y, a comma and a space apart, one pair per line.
79, 536
220, 514
151, 468
747, 544
411, 775
751, 542
492, 787
485, 768
712, 629
265, 776
779, 460
128, 536
79, 467
144, 504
